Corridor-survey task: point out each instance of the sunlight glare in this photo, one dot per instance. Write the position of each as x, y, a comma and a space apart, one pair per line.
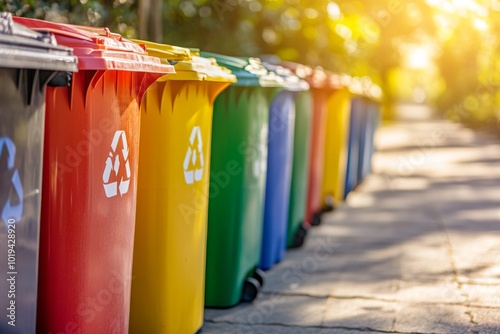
334, 11
480, 24
418, 57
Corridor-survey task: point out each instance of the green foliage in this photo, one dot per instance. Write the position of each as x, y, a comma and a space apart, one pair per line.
118, 15
358, 37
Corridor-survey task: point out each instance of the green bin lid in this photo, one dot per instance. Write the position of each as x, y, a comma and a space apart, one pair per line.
248, 71
21, 47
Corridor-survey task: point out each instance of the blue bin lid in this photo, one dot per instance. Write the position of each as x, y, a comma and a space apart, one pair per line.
248, 71
292, 82
21, 47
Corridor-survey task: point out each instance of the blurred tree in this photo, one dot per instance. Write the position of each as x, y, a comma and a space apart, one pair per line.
151, 20
118, 15
358, 37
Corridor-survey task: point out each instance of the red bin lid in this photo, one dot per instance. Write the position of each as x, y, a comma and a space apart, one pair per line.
99, 49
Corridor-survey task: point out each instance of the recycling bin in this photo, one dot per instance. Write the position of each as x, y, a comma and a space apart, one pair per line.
323, 85
172, 199
297, 225
353, 155
29, 62
279, 167
237, 182
90, 176
369, 124
336, 148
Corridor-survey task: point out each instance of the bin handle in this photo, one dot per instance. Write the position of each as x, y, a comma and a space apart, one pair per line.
102, 31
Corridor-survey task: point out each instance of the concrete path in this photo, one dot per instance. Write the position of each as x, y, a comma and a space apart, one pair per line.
416, 248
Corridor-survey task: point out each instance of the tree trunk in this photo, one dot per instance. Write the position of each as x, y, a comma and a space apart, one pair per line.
151, 20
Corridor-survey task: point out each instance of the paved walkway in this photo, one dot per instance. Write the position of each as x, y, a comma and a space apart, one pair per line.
416, 248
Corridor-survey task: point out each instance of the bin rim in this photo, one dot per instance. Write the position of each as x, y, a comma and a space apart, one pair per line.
293, 82
317, 77
188, 66
99, 48
21, 47
364, 87
249, 71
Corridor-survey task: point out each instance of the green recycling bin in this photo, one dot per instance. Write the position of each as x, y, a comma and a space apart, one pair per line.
237, 182
300, 170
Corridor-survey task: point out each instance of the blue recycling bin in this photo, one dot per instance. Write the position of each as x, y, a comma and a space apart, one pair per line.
30, 61
354, 146
279, 168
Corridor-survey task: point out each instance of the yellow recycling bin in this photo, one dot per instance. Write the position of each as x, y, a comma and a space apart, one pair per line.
336, 146
168, 277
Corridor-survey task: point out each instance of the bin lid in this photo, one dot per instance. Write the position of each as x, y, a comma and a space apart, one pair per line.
316, 77
364, 87
248, 71
21, 47
292, 81
98, 48
188, 65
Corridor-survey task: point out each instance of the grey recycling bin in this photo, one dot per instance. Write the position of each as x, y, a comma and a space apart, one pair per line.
29, 61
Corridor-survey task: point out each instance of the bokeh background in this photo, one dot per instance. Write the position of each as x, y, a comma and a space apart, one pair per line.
439, 52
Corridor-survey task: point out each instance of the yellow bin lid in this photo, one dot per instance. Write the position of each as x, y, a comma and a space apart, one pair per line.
188, 66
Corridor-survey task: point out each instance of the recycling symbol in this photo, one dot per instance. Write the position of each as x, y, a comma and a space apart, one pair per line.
9, 210
193, 162
113, 165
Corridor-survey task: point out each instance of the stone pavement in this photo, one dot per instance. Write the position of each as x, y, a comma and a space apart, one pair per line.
415, 249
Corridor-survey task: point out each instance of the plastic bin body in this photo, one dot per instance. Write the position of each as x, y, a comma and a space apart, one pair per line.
90, 171
300, 166
24, 75
336, 146
279, 173
370, 122
316, 158
172, 200
236, 202
237, 180
353, 155
322, 85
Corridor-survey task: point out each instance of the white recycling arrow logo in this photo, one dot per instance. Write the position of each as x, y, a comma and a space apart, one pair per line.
9, 210
192, 171
113, 165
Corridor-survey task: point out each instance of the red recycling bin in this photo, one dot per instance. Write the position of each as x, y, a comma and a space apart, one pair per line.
90, 167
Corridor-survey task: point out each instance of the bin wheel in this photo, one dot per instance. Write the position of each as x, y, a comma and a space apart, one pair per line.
328, 208
299, 237
251, 288
329, 204
259, 276
316, 218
